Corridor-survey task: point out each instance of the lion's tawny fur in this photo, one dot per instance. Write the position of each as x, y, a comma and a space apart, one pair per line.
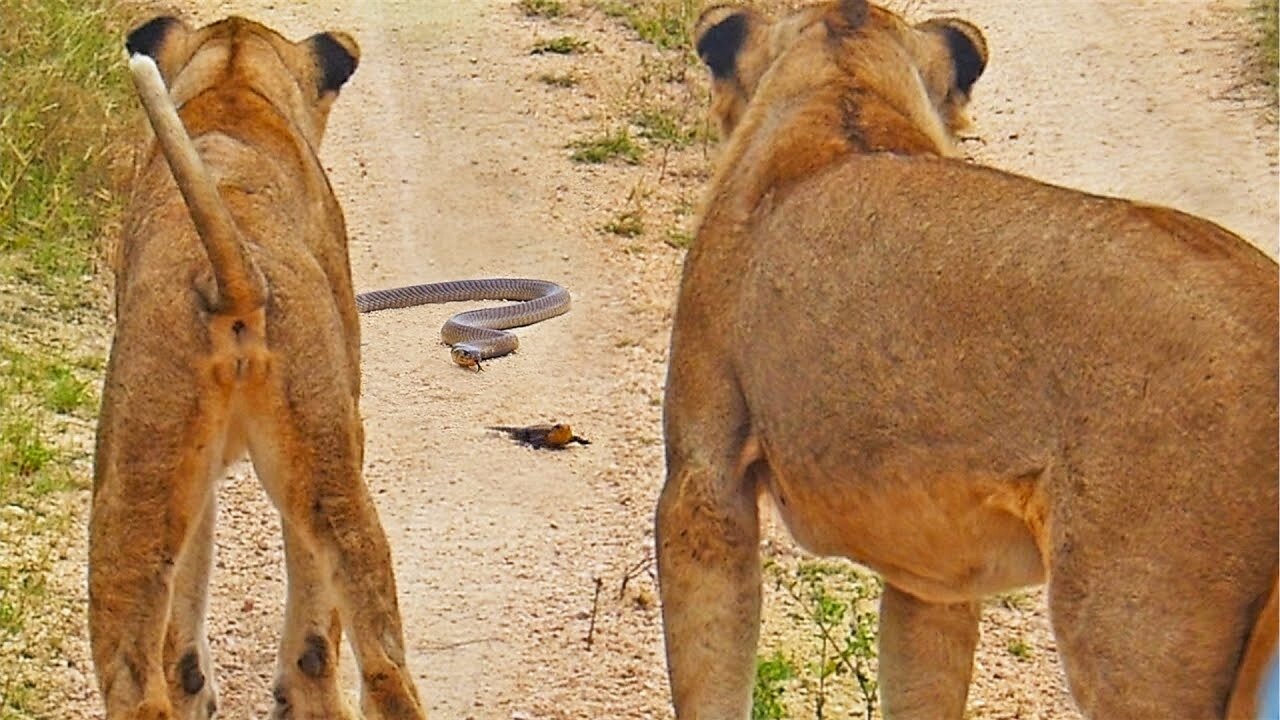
236, 331
967, 380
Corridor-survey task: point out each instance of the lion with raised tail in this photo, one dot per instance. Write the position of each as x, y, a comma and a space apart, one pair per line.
236, 330
967, 380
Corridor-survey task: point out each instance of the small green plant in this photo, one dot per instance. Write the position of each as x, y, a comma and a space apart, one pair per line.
627, 224
772, 674
1019, 600
542, 8
563, 45
560, 80
1019, 648
835, 601
34, 384
679, 239
615, 145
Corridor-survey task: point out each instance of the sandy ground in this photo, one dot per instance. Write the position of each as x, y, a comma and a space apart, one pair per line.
449, 157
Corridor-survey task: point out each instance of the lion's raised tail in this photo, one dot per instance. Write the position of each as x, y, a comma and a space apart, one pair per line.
240, 286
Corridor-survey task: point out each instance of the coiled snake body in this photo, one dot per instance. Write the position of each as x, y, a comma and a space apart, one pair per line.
477, 335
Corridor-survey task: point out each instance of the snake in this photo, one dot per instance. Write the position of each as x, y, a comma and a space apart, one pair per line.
476, 335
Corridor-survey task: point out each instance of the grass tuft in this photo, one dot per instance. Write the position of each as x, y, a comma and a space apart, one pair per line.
64, 393
542, 8
24, 451
615, 145
662, 125
627, 224
663, 23
563, 45
679, 239
1019, 649
560, 80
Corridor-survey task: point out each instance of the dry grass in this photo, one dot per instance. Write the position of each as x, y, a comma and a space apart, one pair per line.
1267, 58
542, 8
664, 23
561, 45
63, 136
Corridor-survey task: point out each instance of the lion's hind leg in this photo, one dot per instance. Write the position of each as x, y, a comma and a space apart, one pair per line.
306, 443
926, 655
1134, 648
187, 663
158, 453
307, 664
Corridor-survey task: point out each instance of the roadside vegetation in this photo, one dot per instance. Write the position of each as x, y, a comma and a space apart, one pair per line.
824, 666
664, 23
1266, 23
65, 120
652, 116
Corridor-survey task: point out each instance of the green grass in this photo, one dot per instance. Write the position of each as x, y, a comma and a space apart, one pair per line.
66, 135
1019, 649
60, 110
663, 23
772, 674
663, 125
542, 8
24, 449
563, 45
58, 384
64, 392
613, 145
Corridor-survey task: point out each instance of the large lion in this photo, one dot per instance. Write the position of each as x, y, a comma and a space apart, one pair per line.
965, 379
236, 330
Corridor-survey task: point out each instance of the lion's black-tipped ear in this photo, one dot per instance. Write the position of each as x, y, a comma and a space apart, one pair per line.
968, 48
720, 33
337, 56
149, 37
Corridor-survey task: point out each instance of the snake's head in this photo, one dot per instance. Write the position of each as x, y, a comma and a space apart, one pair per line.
559, 435
467, 357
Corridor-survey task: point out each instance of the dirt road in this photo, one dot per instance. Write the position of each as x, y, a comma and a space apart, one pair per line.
450, 160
